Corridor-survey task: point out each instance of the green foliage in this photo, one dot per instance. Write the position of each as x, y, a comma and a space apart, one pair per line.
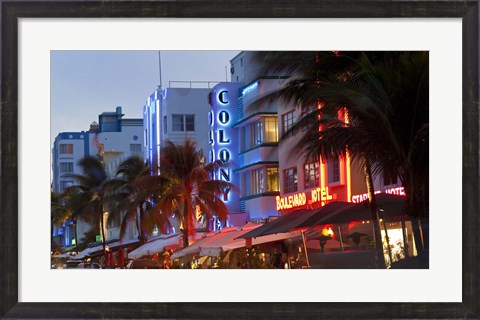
189, 186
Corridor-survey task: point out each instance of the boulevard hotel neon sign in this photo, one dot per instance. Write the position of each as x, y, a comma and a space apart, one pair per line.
300, 199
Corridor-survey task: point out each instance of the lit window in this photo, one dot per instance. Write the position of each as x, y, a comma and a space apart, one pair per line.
312, 175
264, 130
287, 120
333, 170
260, 184
66, 148
272, 179
290, 180
66, 167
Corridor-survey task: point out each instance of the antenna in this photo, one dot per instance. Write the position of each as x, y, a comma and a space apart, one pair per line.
160, 68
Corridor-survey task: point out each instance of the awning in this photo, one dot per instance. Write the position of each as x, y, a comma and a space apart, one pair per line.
240, 243
327, 210
216, 246
155, 245
161, 243
285, 223
390, 208
195, 247
96, 248
88, 251
122, 243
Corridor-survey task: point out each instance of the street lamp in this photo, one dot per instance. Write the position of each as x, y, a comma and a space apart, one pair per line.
326, 235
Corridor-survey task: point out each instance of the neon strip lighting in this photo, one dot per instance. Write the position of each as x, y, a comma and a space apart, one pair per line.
348, 163
250, 88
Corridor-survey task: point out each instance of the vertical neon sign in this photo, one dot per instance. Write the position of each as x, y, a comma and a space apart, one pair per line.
222, 136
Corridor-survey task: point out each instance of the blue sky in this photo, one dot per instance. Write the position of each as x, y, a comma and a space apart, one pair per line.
86, 83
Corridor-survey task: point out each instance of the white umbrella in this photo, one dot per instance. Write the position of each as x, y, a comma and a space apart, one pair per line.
195, 247
216, 246
240, 243
155, 245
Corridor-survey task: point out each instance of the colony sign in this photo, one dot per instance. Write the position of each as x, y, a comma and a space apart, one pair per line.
222, 116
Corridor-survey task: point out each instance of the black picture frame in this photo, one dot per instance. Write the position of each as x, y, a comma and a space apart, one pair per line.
11, 11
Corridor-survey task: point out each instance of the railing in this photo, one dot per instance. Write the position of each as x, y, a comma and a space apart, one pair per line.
193, 84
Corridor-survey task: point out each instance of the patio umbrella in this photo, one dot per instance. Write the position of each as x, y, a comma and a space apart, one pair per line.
356, 236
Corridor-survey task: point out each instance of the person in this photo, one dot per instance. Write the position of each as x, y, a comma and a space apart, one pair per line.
277, 261
284, 261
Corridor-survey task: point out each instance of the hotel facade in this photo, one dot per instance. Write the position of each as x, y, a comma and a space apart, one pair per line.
112, 139
273, 178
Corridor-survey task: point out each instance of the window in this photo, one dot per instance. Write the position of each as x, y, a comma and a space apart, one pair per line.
66, 148
389, 178
290, 180
260, 184
258, 181
177, 122
183, 122
190, 122
164, 124
272, 179
312, 175
287, 120
333, 170
264, 129
135, 147
65, 184
305, 111
66, 167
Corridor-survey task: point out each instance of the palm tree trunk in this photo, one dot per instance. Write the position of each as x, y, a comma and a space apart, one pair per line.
75, 230
416, 211
140, 225
420, 236
139, 229
373, 205
186, 224
102, 227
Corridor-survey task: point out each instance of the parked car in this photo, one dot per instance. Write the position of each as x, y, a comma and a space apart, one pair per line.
89, 265
143, 264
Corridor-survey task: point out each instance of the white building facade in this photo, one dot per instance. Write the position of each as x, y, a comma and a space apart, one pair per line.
112, 140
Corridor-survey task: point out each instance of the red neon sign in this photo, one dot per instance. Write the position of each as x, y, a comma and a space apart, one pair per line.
399, 191
300, 199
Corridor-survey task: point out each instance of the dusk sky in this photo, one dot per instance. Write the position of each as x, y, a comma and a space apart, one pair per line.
86, 83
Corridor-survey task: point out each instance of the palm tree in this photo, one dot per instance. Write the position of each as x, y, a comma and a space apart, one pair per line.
385, 99
135, 190
91, 192
59, 213
191, 187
